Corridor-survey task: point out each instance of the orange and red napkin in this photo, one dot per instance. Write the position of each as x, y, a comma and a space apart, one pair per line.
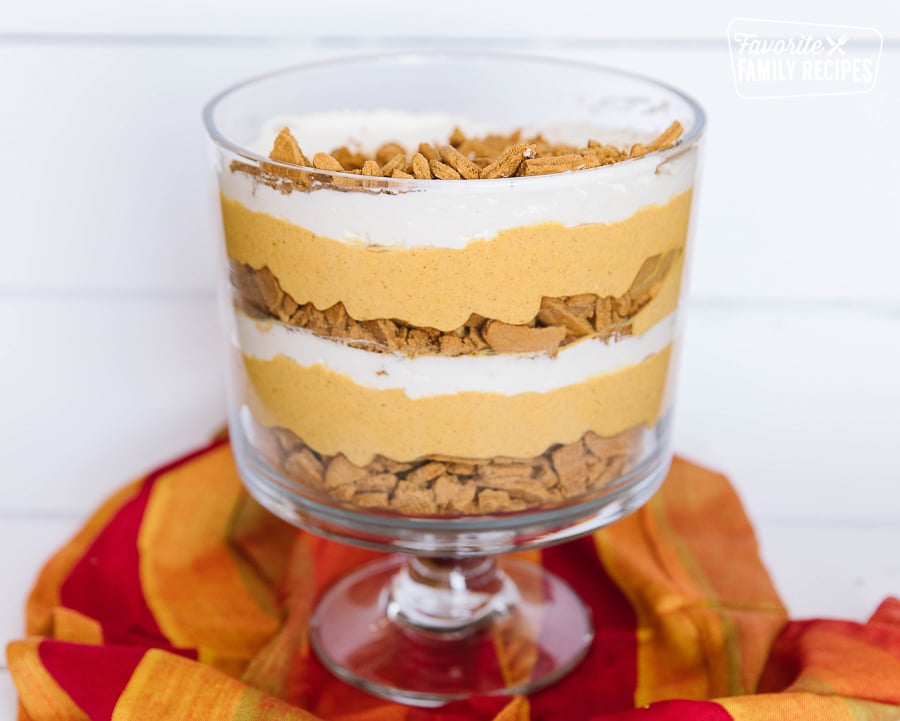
183, 599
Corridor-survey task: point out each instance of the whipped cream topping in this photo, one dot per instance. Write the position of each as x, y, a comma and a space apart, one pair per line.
364, 132
451, 214
427, 375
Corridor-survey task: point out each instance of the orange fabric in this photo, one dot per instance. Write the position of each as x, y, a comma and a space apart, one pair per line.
183, 599
42, 694
185, 566
707, 611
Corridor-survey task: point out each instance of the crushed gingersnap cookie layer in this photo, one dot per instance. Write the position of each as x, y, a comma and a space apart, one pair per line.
447, 485
489, 157
559, 322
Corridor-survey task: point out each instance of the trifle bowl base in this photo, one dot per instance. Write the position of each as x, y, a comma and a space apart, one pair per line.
447, 615
426, 631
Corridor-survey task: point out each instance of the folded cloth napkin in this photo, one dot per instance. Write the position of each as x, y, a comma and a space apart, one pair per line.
181, 598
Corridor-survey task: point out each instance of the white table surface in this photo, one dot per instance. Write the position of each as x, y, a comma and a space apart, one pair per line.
112, 362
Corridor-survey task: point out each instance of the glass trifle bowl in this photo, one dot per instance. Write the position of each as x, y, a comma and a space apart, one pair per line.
452, 336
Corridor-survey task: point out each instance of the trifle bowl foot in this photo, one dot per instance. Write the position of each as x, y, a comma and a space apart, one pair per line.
427, 631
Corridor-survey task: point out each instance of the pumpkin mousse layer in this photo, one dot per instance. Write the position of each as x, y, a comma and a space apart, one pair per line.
362, 422
502, 278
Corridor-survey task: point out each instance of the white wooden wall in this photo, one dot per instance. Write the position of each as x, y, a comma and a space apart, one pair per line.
111, 356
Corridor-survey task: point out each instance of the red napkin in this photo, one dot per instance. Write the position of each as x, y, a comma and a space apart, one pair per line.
181, 598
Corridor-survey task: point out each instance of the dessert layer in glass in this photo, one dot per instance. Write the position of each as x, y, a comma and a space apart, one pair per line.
489, 345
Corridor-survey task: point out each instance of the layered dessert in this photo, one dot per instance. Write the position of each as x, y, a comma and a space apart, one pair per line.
439, 318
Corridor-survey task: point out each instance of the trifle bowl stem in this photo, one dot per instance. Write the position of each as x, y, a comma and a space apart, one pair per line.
425, 631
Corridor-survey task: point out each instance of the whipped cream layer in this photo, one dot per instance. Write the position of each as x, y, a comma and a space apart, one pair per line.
451, 214
365, 131
428, 375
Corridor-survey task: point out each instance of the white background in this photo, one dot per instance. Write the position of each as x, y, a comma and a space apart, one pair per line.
111, 357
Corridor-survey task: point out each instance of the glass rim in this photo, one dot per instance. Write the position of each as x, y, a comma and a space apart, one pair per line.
687, 140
